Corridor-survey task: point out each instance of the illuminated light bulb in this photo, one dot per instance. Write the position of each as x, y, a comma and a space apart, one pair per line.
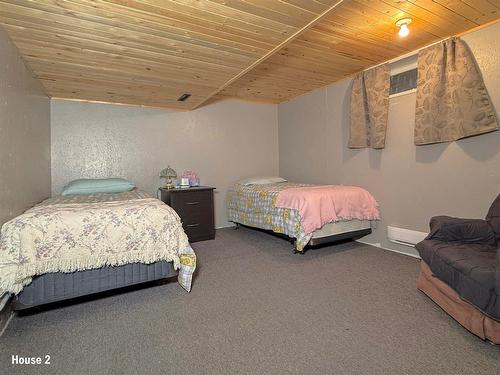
404, 31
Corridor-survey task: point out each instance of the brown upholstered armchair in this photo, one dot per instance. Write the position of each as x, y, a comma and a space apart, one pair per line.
460, 270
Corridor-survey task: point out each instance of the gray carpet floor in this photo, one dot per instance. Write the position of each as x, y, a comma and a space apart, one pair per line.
257, 308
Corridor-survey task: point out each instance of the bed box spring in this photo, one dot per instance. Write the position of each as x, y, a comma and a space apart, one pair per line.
54, 287
355, 234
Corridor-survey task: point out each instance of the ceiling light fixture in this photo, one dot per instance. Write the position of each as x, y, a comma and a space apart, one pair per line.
403, 27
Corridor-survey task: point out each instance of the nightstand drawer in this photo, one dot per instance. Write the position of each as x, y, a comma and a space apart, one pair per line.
191, 203
199, 231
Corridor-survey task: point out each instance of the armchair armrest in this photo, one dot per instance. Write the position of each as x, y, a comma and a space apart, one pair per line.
452, 229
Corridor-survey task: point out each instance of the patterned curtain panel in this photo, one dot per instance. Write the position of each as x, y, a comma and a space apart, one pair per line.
370, 108
452, 101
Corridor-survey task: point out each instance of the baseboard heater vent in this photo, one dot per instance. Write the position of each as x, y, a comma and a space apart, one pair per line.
404, 236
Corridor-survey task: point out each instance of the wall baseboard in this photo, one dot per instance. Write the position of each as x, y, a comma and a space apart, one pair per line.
388, 249
4, 300
226, 226
6, 314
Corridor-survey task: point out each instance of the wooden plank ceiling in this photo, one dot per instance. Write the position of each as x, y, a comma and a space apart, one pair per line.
358, 34
150, 52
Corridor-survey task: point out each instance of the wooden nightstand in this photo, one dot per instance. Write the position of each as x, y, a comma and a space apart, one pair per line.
195, 206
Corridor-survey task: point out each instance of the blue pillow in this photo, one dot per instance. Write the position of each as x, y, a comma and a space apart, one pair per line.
91, 186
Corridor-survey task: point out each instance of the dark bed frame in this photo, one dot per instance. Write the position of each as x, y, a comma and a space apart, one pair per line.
51, 288
314, 242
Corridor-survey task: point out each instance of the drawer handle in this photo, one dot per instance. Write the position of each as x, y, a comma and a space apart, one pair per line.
192, 225
192, 203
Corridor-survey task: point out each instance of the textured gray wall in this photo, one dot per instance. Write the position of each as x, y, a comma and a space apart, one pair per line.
222, 142
24, 135
411, 183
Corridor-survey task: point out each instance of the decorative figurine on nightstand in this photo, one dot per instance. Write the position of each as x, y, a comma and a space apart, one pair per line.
168, 174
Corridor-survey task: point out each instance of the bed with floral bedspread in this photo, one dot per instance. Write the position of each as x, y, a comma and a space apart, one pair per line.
82, 232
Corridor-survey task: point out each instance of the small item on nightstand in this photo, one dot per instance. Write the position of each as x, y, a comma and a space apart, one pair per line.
168, 174
184, 182
192, 178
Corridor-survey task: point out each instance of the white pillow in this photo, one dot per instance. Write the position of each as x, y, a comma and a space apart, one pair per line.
261, 180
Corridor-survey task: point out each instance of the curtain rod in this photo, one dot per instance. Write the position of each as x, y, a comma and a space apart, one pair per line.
414, 52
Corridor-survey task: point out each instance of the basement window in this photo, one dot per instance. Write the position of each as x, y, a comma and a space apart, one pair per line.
403, 82
404, 76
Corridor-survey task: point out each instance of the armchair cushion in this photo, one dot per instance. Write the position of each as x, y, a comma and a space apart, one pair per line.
469, 269
450, 229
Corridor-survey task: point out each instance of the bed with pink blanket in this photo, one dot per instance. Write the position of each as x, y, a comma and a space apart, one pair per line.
308, 214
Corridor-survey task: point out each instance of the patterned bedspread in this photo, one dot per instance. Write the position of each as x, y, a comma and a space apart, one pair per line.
72, 233
255, 206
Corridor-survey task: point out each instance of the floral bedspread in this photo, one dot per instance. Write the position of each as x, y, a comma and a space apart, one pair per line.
255, 206
67, 234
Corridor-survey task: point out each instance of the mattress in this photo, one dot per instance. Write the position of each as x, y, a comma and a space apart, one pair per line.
54, 287
255, 206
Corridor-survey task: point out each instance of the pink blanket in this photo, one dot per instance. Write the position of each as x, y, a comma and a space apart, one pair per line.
323, 204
